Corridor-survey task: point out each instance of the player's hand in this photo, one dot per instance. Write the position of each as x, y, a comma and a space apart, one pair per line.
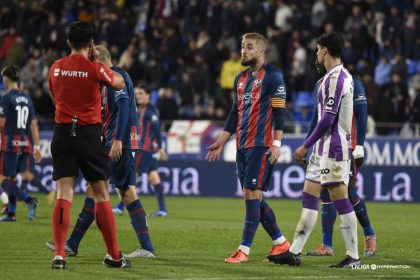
214, 151
163, 156
93, 53
358, 155
116, 150
300, 155
37, 155
274, 153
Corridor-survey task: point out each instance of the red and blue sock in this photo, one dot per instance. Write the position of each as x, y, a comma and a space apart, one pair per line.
268, 220
252, 220
160, 197
360, 209
86, 218
139, 222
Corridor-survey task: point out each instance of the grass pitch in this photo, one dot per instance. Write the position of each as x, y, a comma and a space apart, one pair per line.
198, 234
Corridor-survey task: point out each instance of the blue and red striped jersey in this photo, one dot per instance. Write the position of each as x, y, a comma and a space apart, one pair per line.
151, 137
255, 97
110, 97
18, 110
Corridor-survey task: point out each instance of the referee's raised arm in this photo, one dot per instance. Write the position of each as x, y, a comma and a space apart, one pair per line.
75, 83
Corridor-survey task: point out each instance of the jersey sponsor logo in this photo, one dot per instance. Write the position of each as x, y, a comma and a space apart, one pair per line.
70, 73
254, 181
281, 90
134, 136
248, 96
20, 143
330, 101
360, 97
102, 71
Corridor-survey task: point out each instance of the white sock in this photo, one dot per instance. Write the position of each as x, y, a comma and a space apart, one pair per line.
303, 229
244, 249
348, 229
4, 198
279, 240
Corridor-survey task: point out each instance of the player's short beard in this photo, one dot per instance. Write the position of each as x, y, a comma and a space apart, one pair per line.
250, 62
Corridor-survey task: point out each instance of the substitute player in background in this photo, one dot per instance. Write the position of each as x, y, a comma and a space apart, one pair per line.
328, 212
329, 163
19, 139
258, 106
75, 82
122, 141
151, 148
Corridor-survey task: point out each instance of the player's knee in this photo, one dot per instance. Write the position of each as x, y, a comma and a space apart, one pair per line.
250, 194
128, 195
100, 189
154, 178
353, 196
338, 192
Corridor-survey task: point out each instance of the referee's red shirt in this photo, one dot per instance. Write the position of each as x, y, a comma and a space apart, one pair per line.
75, 84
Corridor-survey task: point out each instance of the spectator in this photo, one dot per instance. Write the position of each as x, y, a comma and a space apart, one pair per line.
383, 72
230, 68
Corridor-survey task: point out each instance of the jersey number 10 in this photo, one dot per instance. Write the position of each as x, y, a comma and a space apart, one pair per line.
22, 116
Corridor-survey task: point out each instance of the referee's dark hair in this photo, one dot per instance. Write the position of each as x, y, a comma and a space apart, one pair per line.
12, 72
80, 34
334, 42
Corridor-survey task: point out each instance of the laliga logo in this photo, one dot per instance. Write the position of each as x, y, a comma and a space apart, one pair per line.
56, 72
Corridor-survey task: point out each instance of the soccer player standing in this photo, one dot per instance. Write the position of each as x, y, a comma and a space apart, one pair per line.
151, 148
19, 139
329, 164
328, 212
258, 106
75, 82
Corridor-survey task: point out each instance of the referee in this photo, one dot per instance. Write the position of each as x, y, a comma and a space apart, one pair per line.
74, 83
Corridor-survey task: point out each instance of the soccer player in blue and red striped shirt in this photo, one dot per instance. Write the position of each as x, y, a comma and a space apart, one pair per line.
258, 107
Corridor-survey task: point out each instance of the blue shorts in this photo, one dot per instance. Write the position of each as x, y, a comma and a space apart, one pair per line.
13, 163
254, 168
123, 172
146, 163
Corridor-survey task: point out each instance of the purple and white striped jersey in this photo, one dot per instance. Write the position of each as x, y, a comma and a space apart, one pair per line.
335, 95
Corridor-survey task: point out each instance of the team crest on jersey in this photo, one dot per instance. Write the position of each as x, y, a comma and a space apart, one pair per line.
257, 83
330, 101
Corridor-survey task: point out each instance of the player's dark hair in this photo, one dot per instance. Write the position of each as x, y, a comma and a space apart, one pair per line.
146, 88
80, 34
12, 72
334, 42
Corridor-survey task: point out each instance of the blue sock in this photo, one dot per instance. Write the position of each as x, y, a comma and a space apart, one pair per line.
11, 210
328, 216
160, 197
121, 206
139, 222
359, 207
268, 220
86, 218
11, 188
252, 220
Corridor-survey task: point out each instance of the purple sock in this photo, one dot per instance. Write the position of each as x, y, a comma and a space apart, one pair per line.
343, 206
309, 201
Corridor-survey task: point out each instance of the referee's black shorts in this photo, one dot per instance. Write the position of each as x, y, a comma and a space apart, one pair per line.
85, 151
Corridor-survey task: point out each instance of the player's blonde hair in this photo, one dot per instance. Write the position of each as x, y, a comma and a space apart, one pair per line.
104, 54
260, 39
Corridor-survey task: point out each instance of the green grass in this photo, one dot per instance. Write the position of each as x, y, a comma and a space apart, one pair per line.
199, 233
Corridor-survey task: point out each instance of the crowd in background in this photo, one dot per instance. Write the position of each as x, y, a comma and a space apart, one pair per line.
188, 51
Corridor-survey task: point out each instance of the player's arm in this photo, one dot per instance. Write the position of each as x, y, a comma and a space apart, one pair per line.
121, 99
278, 105
4, 107
231, 124
35, 138
360, 114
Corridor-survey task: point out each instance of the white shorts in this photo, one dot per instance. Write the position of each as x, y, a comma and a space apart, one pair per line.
327, 171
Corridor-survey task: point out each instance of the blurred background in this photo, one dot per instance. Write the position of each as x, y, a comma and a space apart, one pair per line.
188, 52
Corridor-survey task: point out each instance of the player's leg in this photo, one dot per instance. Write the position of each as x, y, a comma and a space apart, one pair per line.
328, 217
4, 200
360, 209
118, 208
268, 218
154, 180
249, 162
311, 191
123, 175
26, 164
85, 219
337, 181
